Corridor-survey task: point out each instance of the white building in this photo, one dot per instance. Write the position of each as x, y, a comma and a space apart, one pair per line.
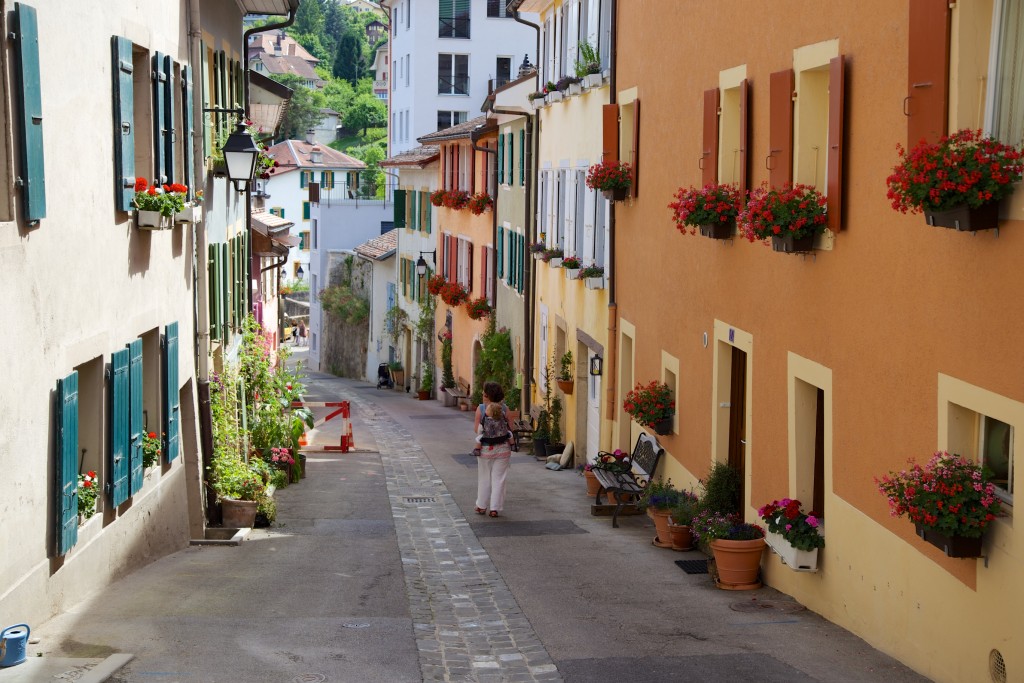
326, 130
381, 73
441, 65
380, 253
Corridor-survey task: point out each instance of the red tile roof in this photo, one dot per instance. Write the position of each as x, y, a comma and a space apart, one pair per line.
379, 248
418, 156
292, 155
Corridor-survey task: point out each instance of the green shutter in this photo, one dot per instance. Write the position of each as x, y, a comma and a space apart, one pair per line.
430, 209
159, 117
124, 120
414, 217
32, 175
522, 157
511, 158
66, 512
511, 274
302, 179
501, 252
226, 290
168, 71
501, 158
119, 405
135, 424
521, 270
205, 97
399, 208
172, 406
305, 211
280, 212
246, 276
186, 130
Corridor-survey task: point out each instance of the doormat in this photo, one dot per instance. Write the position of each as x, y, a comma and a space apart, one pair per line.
693, 566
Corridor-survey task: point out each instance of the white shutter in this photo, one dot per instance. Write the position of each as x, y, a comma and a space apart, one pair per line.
570, 214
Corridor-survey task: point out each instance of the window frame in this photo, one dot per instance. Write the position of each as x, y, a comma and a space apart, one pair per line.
453, 90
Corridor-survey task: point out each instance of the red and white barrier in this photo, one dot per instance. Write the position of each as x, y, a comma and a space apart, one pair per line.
343, 410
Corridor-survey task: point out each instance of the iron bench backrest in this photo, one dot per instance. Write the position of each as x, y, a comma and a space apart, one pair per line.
646, 455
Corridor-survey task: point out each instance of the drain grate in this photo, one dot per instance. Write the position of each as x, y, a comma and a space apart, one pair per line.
310, 678
419, 499
755, 605
693, 566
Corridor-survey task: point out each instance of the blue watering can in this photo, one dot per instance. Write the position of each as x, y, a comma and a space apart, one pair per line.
13, 641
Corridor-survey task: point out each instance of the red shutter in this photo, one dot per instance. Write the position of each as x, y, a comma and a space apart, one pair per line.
610, 137
780, 133
709, 155
469, 267
744, 136
927, 71
444, 167
636, 148
453, 261
456, 153
472, 169
834, 168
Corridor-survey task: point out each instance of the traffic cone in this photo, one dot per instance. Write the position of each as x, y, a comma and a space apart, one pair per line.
350, 442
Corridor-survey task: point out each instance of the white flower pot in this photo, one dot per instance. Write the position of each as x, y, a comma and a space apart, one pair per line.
537, 103
594, 282
555, 262
571, 273
151, 220
575, 89
538, 255
797, 560
555, 96
190, 214
592, 80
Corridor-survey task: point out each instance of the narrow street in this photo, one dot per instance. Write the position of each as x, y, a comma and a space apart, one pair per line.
378, 570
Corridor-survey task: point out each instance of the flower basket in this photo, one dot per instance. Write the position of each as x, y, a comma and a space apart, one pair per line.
965, 218
437, 197
575, 89
792, 214
435, 284
611, 176
952, 546
151, 219
718, 231
555, 96
537, 102
565, 385
478, 308
456, 200
797, 560
571, 273
793, 534
594, 282
479, 203
619, 194
712, 209
650, 403
156, 205
454, 294
663, 427
190, 214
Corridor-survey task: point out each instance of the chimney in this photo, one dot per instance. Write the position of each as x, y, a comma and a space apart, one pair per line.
316, 156
310, 133
291, 49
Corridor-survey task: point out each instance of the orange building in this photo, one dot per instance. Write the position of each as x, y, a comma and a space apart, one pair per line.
891, 339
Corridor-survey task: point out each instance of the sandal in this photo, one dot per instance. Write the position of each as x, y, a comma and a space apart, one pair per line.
480, 511
494, 513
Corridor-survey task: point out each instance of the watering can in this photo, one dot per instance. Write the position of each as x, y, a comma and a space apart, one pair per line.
13, 641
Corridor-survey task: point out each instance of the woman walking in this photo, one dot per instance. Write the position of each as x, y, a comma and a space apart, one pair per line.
492, 423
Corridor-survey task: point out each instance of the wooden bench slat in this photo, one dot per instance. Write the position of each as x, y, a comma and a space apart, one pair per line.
626, 485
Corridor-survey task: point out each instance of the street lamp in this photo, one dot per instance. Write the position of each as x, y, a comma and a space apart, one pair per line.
240, 152
299, 273
421, 264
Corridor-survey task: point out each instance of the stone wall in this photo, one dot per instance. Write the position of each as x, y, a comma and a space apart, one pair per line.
343, 347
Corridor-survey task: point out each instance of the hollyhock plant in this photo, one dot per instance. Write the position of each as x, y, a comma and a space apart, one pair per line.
949, 494
708, 205
965, 167
609, 175
797, 210
649, 403
784, 517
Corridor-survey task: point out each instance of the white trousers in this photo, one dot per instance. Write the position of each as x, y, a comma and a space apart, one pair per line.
490, 477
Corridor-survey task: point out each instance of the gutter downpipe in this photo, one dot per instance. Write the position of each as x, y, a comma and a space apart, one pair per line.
532, 139
613, 308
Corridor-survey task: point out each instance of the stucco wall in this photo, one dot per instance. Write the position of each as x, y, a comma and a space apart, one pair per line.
343, 344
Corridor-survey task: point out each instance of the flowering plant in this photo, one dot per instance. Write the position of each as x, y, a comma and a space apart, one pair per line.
435, 283
537, 247
456, 199
948, 494
282, 456
784, 517
609, 175
659, 495
797, 210
151, 445
478, 308
649, 403
616, 461
453, 294
710, 526
705, 206
963, 168
590, 271
571, 262
166, 200
480, 202
584, 468
565, 81
553, 252
88, 491
437, 197
535, 95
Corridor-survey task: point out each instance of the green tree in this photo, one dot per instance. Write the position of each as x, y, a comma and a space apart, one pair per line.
303, 111
366, 111
349, 62
309, 18
372, 179
312, 43
339, 95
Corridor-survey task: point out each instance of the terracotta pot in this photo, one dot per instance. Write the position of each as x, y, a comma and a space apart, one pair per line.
566, 385
738, 563
238, 514
423, 395
660, 518
682, 538
592, 484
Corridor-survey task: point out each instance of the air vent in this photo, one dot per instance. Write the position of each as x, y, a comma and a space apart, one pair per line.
996, 667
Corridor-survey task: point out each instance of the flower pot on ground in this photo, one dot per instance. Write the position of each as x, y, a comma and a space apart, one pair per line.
397, 374
680, 536
711, 209
658, 499
553, 448
540, 447
790, 217
238, 514
683, 512
792, 533
593, 486
737, 547
660, 519
615, 177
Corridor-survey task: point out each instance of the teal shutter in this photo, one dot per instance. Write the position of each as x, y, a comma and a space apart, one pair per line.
66, 513
501, 158
186, 130
414, 218
510, 278
501, 252
522, 157
135, 425
214, 299
172, 407
511, 158
119, 405
168, 139
159, 117
246, 276
302, 179
305, 211
430, 208
399, 208
521, 269
225, 286
30, 112
124, 119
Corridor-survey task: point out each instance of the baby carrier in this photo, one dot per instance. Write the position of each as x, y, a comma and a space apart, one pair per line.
493, 430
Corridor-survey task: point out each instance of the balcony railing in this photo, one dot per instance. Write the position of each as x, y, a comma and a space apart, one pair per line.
453, 86
343, 195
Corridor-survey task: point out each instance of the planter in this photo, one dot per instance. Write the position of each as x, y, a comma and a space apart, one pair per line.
571, 273
953, 546
302, 465
555, 261
238, 514
190, 214
738, 563
593, 485
448, 400
718, 231
537, 103
553, 448
594, 282
218, 168
663, 427
682, 537
797, 560
555, 96
566, 385
788, 244
575, 89
619, 194
151, 219
422, 395
399, 377
539, 448
538, 255
592, 80
965, 218
660, 518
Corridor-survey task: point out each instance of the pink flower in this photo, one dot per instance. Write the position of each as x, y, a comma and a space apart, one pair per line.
788, 527
812, 521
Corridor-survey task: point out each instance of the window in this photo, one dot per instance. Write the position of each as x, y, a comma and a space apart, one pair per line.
464, 262
305, 210
496, 9
670, 376
996, 453
408, 69
732, 128
453, 18
142, 114
452, 74
503, 71
91, 427
304, 240
447, 118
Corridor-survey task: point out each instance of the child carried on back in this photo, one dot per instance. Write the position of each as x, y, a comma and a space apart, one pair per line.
494, 427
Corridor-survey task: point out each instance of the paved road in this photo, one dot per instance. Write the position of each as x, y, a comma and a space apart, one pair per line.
378, 570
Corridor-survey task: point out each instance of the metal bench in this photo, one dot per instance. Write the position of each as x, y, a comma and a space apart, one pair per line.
629, 486
523, 426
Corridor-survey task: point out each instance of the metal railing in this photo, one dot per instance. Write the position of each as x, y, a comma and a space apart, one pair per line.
454, 27
342, 194
453, 86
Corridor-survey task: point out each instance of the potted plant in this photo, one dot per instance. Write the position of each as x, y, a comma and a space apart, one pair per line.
552, 93
572, 265
479, 203
88, 492
397, 373
190, 211
592, 276
957, 182
454, 294
588, 66
426, 382
447, 374
613, 178
538, 249
435, 283
239, 488
555, 444
478, 308
586, 471
151, 445
658, 499
790, 217
617, 461
456, 200
651, 405
570, 85
721, 489
737, 547
437, 197
553, 256
565, 373
793, 534
282, 459
712, 209
949, 500
155, 206
681, 519
536, 99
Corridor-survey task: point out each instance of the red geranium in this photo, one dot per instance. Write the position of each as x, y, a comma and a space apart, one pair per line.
480, 202
435, 283
649, 403
478, 308
705, 206
141, 184
609, 175
437, 197
798, 210
456, 199
453, 294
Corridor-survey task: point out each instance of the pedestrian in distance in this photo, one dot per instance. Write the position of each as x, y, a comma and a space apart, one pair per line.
302, 333
495, 437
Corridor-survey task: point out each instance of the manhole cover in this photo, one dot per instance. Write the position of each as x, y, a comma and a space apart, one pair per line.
419, 499
693, 566
779, 606
356, 625
310, 678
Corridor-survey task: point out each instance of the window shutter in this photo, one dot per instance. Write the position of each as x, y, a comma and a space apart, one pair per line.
429, 209
511, 140
168, 138
280, 212
226, 290
521, 263
834, 169
172, 407
501, 251
456, 153
501, 159
135, 426
744, 136
323, 178
188, 172
66, 513
30, 113
610, 130
212, 303
119, 434
302, 180
159, 117
472, 170
399, 208
453, 259
522, 158
780, 131
124, 120
636, 148
926, 105
483, 270
469, 266
510, 274
414, 216
709, 154
305, 211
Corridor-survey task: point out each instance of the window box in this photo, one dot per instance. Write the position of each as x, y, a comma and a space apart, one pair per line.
594, 282
537, 103
571, 273
592, 80
965, 218
555, 261
151, 220
554, 96
797, 560
953, 546
190, 214
575, 89
788, 244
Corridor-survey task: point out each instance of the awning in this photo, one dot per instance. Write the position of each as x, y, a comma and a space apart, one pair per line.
268, 101
268, 6
270, 235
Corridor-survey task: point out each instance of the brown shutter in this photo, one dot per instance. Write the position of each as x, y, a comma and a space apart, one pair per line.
444, 167
469, 267
472, 168
456, 149
834, 168
453, 251
927, 71
709, 155
635, 170
610, 141
744, 136
780, 133
314, 193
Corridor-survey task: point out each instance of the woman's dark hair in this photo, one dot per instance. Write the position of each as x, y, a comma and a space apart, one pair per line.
494, 392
